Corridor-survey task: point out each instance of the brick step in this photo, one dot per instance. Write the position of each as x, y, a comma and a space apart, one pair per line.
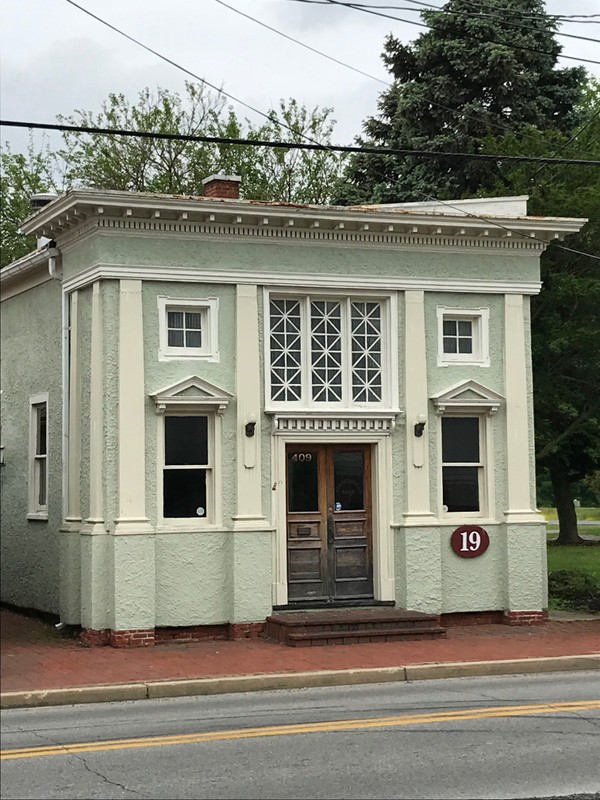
302, 639
350, 625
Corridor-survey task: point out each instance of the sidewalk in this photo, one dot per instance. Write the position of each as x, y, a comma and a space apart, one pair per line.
36, 658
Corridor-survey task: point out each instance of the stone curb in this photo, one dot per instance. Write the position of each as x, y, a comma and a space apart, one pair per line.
292, 680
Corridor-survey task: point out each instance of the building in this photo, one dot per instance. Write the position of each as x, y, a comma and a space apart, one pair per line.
214, 407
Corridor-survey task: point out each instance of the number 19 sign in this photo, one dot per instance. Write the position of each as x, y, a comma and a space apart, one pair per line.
469, 541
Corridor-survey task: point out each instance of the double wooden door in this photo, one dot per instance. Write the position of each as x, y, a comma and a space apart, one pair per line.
329, 523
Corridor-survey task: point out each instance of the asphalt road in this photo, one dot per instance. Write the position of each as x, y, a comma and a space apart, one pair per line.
506, 737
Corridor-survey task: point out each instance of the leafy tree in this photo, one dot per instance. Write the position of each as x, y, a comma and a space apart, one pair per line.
566, 314
471, 72
21, 175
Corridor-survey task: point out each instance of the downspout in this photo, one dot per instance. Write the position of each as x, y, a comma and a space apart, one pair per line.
54, 272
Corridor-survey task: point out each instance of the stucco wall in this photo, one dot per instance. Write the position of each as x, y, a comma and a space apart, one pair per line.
31, 364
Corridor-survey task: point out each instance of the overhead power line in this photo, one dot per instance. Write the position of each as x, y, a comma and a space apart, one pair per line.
170, 61
386, 151
371, 10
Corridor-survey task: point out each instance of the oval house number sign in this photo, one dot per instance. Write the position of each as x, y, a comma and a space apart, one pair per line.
469, 541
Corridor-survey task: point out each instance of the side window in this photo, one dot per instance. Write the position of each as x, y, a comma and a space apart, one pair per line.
38, 457
462, 465
463, 337
188, 329
188, 468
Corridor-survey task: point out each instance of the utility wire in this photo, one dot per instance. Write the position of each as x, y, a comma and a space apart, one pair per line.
488, 14
506, 228
388, 151
271, 118
459, 113
356, 7
565, 145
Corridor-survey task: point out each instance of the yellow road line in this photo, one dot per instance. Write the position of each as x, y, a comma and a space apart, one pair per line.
310, 727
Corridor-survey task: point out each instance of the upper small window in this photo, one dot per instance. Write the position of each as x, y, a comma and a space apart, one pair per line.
463, 337
188, 329
38, 457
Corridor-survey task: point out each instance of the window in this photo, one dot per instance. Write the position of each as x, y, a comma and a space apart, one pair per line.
38, 457
462, 465
188, 329
463, 337
188, 469
327, 352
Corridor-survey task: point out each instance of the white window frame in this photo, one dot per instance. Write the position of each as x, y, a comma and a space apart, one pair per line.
479, 319
389, 356
208, 309
35, 509
484, 465
213, 515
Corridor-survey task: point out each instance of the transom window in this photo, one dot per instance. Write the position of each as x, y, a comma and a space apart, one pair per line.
38, 457
188, 468
326, 351
462, 465
463, 337
188, 329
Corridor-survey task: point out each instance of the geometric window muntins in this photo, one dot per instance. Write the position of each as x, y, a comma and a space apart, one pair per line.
463, 336
327, 352
188, 329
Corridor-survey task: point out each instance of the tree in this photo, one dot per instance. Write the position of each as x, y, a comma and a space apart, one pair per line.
178, 167
21, 175
566, 314
473, 71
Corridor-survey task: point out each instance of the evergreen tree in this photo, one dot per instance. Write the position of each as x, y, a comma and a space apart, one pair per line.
480, 68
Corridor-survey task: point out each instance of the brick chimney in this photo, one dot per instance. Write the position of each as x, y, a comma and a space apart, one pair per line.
224, 186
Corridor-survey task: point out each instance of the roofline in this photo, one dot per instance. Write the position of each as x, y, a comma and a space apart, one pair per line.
77, 204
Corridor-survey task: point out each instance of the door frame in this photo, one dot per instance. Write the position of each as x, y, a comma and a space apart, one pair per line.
382, 506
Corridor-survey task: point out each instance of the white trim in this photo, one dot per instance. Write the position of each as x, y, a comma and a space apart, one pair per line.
298, 280
486, 485
480, 320
96, 505
73, 515
382, 509
34, 510
466, 396
207, 396
208, 308
389, 354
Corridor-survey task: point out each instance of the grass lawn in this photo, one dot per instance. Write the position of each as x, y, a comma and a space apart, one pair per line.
574, 558
582, 513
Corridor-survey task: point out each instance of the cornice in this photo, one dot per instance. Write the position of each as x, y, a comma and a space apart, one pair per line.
175, 214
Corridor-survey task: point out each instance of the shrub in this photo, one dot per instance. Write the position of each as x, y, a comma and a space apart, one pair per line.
576, 590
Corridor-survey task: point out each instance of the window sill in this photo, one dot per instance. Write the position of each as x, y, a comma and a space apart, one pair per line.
212, 357
179, 526
39, 516
460, 363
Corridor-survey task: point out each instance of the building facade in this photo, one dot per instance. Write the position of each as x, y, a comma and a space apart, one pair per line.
214, 407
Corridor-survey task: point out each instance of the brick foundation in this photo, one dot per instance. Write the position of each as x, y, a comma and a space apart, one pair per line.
525, 617
147, 637
472, 618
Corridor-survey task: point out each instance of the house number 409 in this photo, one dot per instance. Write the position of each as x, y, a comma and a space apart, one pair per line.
302, 457
469, 541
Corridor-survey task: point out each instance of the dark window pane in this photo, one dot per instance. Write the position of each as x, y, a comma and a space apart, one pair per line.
449, 327
175, 338
461, 488
192, 320
464, 327
449, 345
42, 417
184, 493
193, 339
41, 465
465, 345
460, 439
186, 440
174, 319
348, 472
302, 481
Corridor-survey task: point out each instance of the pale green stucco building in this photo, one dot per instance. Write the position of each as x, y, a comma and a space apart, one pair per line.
213, 407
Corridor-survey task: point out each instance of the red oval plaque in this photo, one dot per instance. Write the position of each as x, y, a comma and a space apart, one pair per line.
469, 541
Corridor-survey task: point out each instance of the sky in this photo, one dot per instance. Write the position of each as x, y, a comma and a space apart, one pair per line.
55, 58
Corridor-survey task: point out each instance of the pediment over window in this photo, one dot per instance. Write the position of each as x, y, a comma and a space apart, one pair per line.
467, 396
191, 394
